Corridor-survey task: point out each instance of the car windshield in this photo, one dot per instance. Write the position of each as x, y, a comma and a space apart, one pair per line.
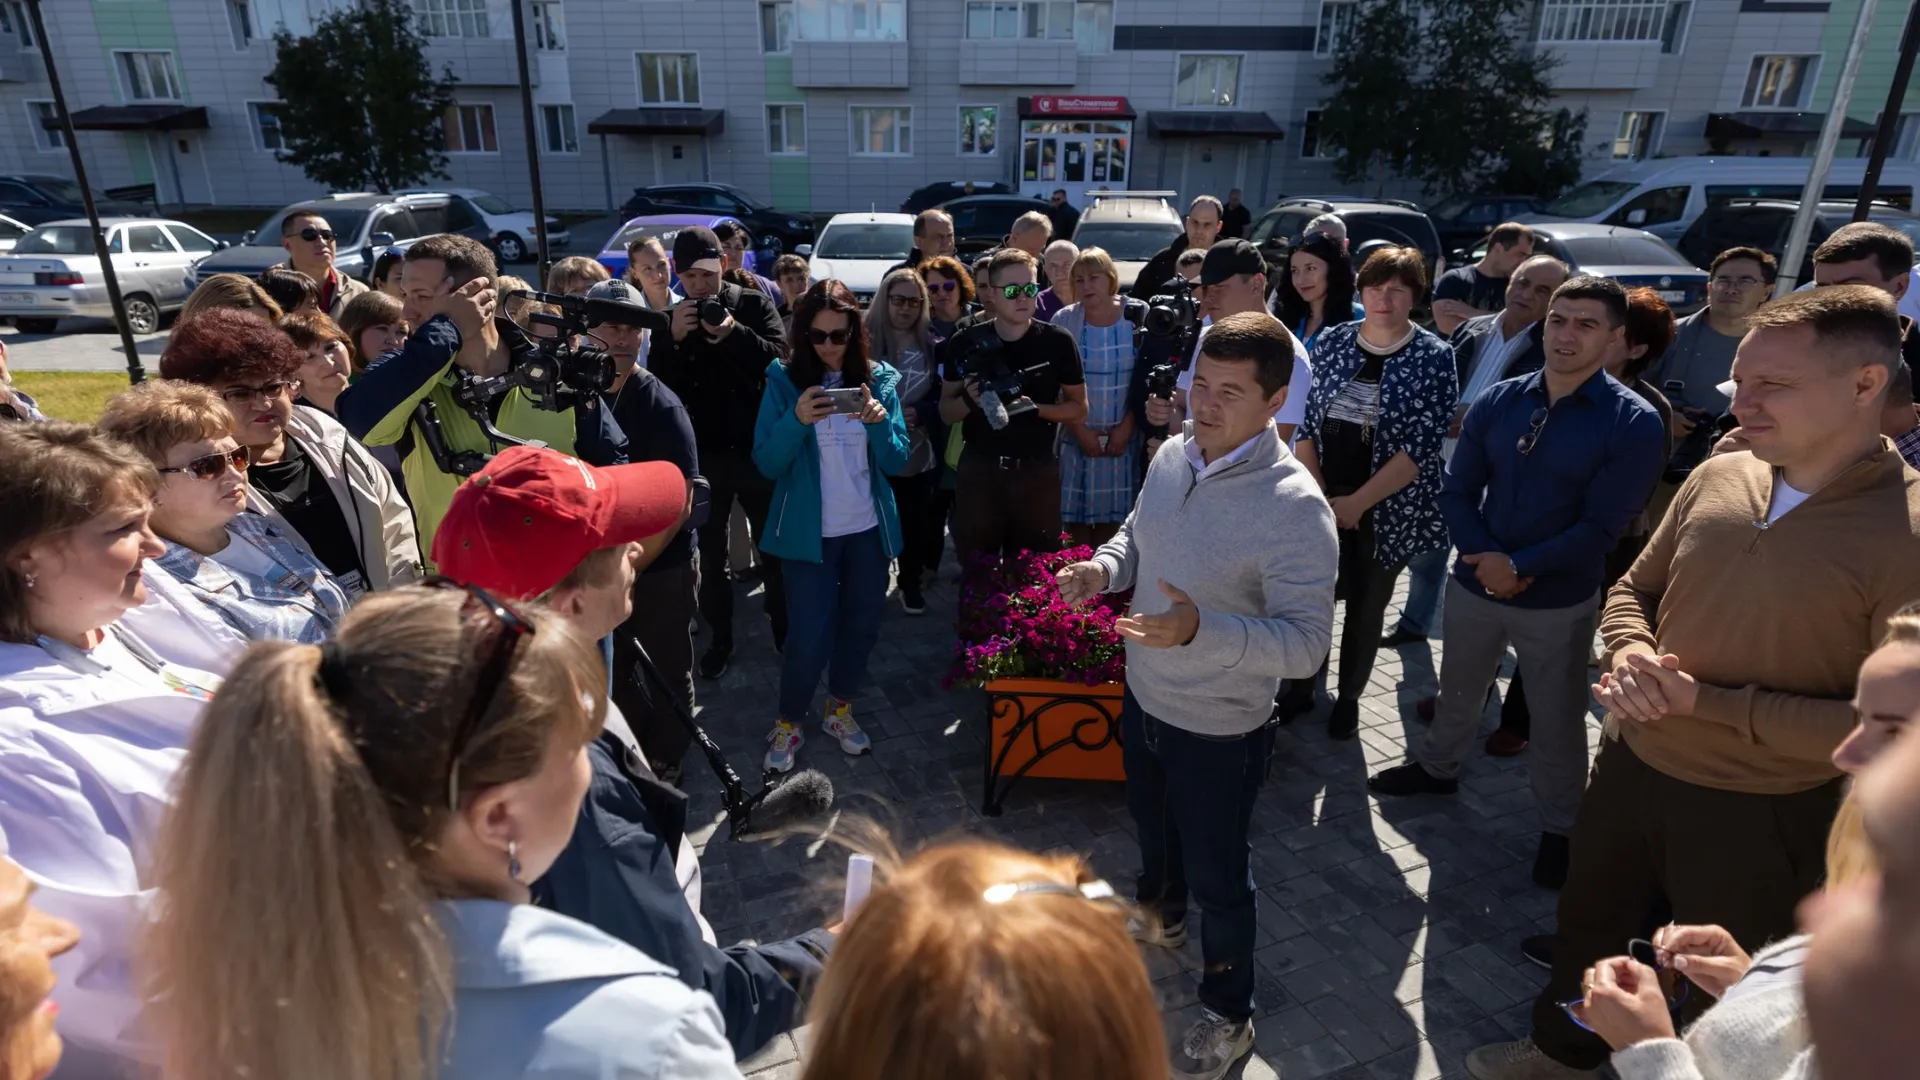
750, 202
1907, 226
1647, 251
1127, 242
346, 225
492, 204
866, 240
65, 191
1449, 208
1589, 198
626, 236
56, 240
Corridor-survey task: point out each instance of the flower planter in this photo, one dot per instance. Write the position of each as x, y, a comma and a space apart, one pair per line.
1050, 728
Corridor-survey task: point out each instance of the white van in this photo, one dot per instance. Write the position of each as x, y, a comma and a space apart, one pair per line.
1664, 195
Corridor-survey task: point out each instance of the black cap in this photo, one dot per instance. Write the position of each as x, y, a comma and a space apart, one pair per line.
693, 246
1230, 258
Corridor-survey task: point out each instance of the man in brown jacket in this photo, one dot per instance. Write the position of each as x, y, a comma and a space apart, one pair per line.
1732, 650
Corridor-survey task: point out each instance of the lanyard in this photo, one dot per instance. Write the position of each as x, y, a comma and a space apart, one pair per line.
86, 663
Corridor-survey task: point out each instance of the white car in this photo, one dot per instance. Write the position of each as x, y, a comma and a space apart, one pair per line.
53, 273
858, 249
1130, 228
510, 231
10, 232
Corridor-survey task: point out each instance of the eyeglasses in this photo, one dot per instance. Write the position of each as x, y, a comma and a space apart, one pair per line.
504, 629
1532, 437
311, 234
269, 391
206, 468
821, 337
1029, 290
904, 301
1740, 283
1673, 985
942, 286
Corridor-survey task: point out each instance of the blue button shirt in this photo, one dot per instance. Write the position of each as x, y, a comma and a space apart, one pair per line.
1558, 510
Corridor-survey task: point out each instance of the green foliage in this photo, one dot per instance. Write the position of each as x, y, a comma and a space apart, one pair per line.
360, 107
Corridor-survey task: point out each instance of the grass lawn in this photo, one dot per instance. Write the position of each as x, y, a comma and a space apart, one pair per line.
71, 395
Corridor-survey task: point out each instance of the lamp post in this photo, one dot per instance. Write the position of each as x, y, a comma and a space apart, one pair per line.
1890, 116
533, 146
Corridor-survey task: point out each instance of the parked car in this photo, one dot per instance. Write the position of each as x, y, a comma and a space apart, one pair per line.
363, 225
1131, 229
53, 272
980, 222
1764, 223
512, 232
613, 254
774, 231
932, 195
859, 248
1395, 221
36, 199
1633, 257
11, 230
1464, 220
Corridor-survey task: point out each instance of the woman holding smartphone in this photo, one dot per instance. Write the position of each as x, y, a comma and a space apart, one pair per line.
829, 434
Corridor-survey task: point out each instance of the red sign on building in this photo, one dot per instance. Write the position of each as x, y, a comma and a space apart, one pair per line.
1063, 105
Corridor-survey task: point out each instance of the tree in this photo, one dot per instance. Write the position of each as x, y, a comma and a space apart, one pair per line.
359, 107
1451, 93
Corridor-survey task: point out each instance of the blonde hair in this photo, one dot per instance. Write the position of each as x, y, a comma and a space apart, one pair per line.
1850, 856
1097, 259
364, 312
513, 306
155, 416
932, 981
295, 936
575, 273
230, 291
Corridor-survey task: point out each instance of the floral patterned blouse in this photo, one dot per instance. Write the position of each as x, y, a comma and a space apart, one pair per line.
1418, 390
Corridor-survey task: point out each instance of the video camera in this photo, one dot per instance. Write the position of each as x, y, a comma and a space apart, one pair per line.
1698, 444
1172, 310
1001, 385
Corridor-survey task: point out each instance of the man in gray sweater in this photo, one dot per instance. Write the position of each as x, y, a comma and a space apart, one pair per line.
1232, 554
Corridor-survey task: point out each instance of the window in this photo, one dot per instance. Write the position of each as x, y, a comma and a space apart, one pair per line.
776, 27
1610, 20
1655, 207
1313, 144
668, 78
14, 20
850, 20
148, 76
882, 130
1906, 142
786, 129
266, 126
557, 133
469, 129
1779, 82
979, 128
1207, 81
1639, 135
192, 240
48, 139
240, 21
453, 18
1673, 38
1336, 22
148, 240
1093, 26
1088, 22
549, 26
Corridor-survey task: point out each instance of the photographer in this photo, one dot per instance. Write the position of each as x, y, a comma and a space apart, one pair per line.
716, 360
448, 281
1008, 492
1203, 227
1702, 356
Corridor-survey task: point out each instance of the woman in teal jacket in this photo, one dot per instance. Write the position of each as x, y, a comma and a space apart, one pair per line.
830, 432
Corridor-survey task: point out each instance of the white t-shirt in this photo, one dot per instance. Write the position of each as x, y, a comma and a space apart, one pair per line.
846, 484
243, 557
1294, 409
1785, 498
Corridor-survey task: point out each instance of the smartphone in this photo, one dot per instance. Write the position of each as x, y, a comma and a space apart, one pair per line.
847, 400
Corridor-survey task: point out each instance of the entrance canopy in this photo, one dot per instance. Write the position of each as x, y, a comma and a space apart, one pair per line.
135, 118
658, 122
1256, 125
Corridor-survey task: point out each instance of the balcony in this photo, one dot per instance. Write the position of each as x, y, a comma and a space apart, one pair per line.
857, 65
1018, 62
478, 61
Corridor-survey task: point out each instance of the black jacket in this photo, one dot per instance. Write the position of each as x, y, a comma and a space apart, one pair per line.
1470, 336
1159, 270
720, 382
658, 430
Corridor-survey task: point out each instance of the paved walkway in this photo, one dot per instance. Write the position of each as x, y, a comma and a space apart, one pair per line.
1389, 932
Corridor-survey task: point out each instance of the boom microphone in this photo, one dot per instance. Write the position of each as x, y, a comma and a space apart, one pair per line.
597, 311
794, 802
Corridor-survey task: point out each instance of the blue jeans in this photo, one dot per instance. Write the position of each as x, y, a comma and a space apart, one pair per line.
1192, 797
833, 619
1426, 574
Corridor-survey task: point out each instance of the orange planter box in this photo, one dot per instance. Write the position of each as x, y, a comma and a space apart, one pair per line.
1050, 728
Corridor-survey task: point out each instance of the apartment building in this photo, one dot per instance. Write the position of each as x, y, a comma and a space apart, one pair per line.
847, 104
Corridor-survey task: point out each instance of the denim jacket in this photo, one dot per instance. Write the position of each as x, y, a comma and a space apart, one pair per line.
303, 604
786, 452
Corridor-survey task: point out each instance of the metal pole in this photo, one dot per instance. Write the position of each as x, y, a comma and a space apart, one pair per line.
135, 372
1890, 116
533, 146
1823, 156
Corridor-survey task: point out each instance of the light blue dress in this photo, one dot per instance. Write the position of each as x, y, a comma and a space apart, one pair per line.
1100, 491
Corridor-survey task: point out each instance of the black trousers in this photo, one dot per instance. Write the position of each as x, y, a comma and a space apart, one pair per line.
922, 532
731, 477
1367, 588
998, 511
662, 620
1514, 717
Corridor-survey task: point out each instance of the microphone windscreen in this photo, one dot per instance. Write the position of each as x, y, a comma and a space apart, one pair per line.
799, 799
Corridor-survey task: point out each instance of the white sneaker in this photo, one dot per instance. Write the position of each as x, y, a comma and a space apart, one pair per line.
839, 724
1211, 1047
1520, 1061
782, 744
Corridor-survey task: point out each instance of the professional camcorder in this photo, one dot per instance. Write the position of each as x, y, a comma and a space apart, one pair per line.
988, 367
1172, 311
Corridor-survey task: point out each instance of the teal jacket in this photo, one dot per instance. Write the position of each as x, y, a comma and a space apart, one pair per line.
786, 452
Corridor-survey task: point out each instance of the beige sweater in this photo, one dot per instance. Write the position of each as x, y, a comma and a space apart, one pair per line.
1772, 619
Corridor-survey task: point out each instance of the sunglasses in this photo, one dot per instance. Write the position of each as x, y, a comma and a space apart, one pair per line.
821, 337
496, 642
206, 468
1673, 985
942, 287
1532, 437
311, 234
1029, 290
237, 394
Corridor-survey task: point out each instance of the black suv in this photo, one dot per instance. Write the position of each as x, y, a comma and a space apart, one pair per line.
1763, 224
774, 230
932, 195
35, 199
363, 226
1463, 220
1368, 221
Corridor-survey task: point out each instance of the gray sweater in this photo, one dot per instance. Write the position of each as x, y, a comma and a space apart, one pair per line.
1254, 546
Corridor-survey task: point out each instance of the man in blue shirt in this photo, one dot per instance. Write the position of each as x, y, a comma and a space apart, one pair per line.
1549, 469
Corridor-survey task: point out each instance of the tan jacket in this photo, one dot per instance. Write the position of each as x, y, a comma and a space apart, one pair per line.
1773, 620
345, 289
376, 513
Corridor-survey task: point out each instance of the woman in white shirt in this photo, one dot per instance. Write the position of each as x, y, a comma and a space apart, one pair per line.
237, 563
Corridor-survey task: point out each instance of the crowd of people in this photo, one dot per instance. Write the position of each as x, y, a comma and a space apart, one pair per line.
347, 670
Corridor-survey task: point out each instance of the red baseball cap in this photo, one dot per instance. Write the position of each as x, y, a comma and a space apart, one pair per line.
521, 524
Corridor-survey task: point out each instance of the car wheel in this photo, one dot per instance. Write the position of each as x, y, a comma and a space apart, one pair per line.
142, 316
511, 248
35, 326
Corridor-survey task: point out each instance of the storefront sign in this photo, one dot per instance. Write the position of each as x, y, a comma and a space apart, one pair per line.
1059, 105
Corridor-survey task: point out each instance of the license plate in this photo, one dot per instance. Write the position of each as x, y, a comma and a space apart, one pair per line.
1674, 296
16, 298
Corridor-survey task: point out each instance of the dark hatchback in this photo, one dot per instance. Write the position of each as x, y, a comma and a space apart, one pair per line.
1764, 223
33, 199
774, 231
981, 222
1465, 220
932, 195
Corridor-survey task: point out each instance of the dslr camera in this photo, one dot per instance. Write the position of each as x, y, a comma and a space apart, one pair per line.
1171, 311
988, 367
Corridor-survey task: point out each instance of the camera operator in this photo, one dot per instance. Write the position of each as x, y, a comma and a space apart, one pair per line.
1203, 228
723, 337
449, 297
1007, 496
